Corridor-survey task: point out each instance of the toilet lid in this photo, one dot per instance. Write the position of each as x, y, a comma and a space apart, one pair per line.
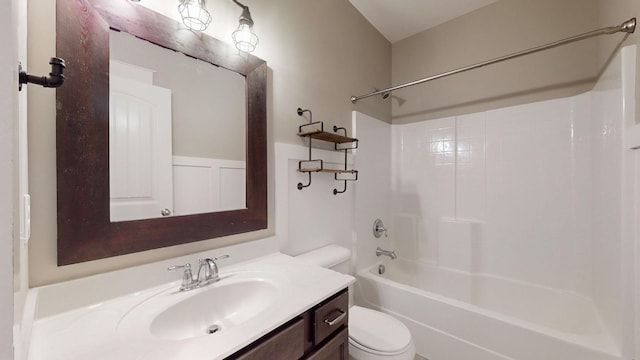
377, 331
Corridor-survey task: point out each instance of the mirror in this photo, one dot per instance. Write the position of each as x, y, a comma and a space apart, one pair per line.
166, 113
85, 229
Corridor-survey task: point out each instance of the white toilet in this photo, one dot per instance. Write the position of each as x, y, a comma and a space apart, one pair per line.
373, 335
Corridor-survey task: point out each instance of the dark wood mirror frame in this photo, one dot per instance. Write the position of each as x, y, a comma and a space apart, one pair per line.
85, 231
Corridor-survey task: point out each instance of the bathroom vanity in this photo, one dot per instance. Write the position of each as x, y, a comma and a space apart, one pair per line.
319, 333
269, 307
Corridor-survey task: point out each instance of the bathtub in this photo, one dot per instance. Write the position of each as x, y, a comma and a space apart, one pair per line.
455, 315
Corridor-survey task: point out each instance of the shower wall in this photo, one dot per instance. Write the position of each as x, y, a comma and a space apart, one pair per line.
540, 193
373, 188
505, 192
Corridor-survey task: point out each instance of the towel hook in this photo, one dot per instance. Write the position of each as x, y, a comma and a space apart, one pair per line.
55, 79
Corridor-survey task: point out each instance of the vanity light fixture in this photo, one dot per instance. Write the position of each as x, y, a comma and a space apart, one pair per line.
194, 14
243, 37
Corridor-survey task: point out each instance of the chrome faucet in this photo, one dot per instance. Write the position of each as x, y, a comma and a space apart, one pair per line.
207, 273
208, 270
391, 254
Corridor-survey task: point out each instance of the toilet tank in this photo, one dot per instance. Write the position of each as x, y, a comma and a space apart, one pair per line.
333, 257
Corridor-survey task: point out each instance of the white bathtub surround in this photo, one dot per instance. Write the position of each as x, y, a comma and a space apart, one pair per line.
615, 196
630, 197
422, 183
525, 219
372, 190
510, 170
119, 328
457, 243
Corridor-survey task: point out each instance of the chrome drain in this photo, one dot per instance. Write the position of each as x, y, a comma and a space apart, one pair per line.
213, 329
381, 269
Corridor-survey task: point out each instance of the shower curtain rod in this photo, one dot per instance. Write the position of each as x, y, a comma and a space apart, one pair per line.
628, 26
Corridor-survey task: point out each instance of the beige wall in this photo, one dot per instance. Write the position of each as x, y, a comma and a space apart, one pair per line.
319, 53
502, 28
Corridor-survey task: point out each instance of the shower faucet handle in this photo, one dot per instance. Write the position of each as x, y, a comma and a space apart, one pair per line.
378, 229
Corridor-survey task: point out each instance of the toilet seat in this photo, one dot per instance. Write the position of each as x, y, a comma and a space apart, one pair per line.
376, 332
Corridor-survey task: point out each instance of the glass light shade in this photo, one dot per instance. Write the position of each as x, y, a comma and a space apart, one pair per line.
194, 14
244, 38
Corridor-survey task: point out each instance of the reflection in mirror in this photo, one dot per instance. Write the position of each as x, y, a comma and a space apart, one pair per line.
85, 229
177, 133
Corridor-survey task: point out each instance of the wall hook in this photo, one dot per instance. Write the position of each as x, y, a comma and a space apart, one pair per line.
301, 111
336, 191
302, 186
55, 79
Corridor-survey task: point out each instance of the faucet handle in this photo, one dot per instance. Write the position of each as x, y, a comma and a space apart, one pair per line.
186, 266
379, 229
220, 257
187, 277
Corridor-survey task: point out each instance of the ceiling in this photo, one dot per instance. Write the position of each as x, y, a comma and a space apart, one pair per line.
399, 19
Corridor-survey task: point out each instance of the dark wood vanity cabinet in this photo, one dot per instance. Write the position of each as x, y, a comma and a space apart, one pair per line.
326, 332
337, 348
321, 333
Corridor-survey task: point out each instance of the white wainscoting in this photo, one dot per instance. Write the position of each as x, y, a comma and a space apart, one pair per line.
203, 185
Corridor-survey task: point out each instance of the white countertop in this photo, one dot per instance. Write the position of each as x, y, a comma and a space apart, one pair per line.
96, 331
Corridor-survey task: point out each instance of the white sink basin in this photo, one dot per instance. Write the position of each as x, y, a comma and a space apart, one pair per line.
213, 309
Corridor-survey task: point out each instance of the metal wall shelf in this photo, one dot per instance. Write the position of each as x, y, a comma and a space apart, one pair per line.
333, 171
315, 130
326, 136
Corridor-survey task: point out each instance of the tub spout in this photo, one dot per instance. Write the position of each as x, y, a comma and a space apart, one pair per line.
391, 254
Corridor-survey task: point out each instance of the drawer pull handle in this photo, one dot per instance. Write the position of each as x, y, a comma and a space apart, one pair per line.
337, 319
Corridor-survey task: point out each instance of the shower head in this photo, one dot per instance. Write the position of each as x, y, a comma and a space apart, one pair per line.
384, 95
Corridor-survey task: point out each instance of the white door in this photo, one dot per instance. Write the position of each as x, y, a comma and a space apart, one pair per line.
141, 183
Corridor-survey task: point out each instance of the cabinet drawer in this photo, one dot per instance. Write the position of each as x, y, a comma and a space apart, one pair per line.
287, 343
331, 316
336, 349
